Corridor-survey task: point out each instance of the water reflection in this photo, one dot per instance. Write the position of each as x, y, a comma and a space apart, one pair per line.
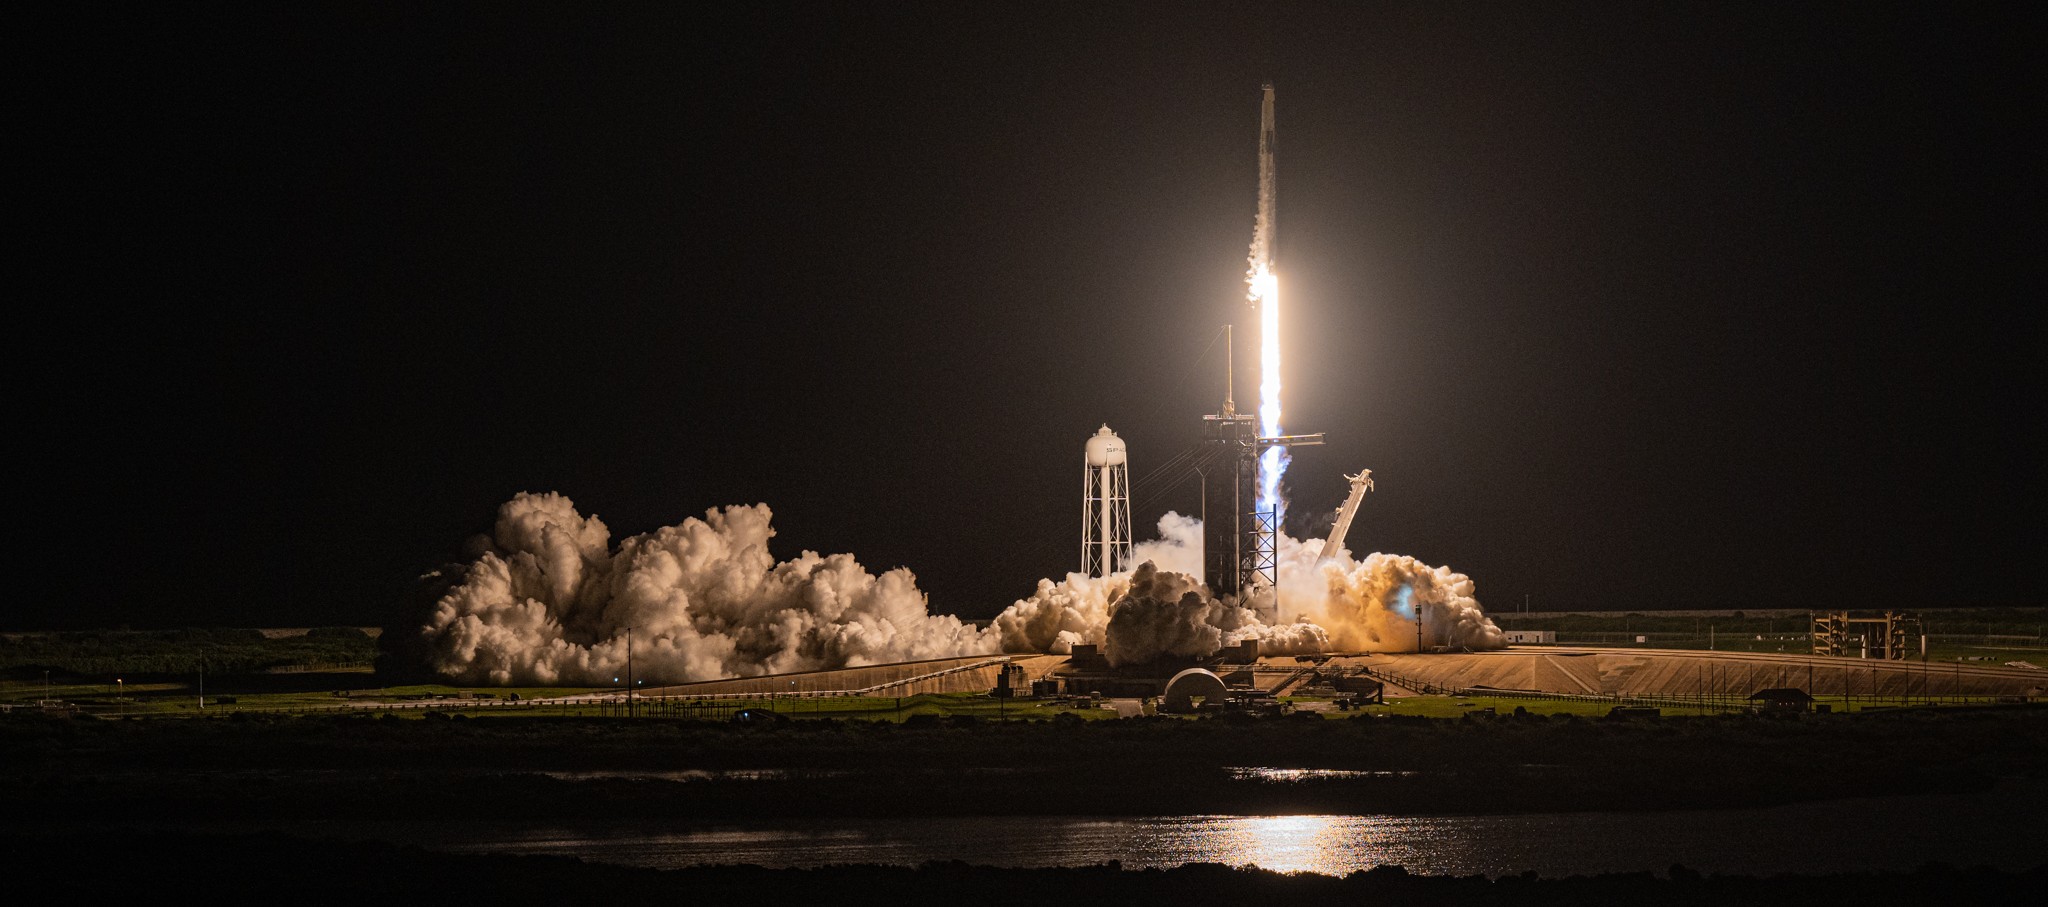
1993, 828
695, 774
1331, 845
1290, 775
1284, 843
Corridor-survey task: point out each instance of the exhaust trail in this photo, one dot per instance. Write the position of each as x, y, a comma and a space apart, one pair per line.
1263, 293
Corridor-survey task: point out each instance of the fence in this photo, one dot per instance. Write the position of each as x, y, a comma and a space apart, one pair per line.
1846, 696
713, 706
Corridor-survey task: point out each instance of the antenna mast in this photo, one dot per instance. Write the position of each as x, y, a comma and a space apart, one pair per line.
1229, 373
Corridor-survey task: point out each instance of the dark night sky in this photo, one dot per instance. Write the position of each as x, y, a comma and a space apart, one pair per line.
1626, 305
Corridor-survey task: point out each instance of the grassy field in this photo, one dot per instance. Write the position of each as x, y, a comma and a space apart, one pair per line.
172, 700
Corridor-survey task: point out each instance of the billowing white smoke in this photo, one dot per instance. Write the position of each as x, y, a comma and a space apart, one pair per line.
1165, 615
1075, 611
1340, 605
1079, 609
550, 603
547, 601
1371, 605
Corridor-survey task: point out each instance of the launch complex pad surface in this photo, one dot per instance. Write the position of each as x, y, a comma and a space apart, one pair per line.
1566, 671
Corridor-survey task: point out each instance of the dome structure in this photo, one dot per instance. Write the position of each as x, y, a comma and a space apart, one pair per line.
1185, 686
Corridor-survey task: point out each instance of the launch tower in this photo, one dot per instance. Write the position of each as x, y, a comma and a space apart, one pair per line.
1239, 538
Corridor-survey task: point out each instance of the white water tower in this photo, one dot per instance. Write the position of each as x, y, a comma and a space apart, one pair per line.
1105, 505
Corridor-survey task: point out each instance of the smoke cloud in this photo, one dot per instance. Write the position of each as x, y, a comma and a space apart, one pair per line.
549, 601
1372, 605
1164, 615
1336, 605
1075, 611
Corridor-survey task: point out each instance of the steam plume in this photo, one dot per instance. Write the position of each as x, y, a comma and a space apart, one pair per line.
548, 601
1372, 604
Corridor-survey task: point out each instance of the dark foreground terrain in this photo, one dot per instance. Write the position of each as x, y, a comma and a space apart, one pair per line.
98, 811
89, 771
235, 869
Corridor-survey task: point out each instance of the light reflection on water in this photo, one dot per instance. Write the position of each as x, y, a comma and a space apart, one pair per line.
1288, 775
1285, 843
1259, 774
1840, 836
694, 774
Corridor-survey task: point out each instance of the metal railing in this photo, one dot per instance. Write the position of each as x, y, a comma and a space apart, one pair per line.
602, 702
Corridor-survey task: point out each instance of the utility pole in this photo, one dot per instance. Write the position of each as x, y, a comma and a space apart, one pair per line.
629, 672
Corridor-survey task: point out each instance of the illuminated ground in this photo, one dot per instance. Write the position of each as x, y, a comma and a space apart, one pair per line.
971, 674
1589, 670
1564, 670
1544, 678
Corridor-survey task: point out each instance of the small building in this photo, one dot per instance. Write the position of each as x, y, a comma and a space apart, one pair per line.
1530, 637
1087, 657
1359, 684
1009, 680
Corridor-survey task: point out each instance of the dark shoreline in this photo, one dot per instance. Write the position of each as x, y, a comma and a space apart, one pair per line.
321, 871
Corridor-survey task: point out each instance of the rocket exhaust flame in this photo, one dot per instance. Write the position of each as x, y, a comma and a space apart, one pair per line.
1264, 294
1273, 461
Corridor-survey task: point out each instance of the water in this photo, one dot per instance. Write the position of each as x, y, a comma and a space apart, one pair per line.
2000, 829
697, 774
